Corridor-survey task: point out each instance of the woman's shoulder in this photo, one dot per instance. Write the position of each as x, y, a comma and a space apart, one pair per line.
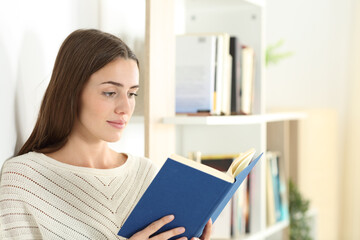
17, 172
18, 160
22, 164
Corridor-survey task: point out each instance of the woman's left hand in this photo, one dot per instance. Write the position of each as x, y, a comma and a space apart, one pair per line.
206, 233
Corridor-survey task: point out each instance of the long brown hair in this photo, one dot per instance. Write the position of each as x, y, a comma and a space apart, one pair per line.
82, 53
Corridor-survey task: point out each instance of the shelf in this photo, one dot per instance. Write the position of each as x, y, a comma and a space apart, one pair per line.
229, 3
233, 120
267, 232
258, 3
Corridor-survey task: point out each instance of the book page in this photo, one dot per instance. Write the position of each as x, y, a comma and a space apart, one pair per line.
203, 168
241, 162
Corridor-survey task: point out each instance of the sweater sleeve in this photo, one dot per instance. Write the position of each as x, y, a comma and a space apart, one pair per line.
16, 221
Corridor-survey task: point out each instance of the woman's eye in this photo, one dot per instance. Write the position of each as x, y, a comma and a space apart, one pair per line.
109, 94
132, 95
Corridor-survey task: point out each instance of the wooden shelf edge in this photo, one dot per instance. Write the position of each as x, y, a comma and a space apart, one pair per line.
277, 227
251, 3
233, 120
259, 3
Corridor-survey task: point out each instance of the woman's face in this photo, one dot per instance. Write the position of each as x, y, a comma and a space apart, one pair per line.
107, 101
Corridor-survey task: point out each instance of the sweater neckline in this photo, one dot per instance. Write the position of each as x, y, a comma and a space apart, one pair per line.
85, 170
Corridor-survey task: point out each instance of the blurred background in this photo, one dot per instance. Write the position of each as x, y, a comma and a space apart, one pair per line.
320, 75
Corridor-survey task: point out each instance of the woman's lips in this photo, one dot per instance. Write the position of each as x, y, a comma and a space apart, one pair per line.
117, 124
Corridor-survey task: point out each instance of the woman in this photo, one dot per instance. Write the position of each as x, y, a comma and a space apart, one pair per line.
66, 183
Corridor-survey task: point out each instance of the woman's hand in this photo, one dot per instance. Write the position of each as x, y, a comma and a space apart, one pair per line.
206, 233
155, 226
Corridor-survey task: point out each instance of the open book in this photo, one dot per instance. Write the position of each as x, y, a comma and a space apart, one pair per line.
189, 190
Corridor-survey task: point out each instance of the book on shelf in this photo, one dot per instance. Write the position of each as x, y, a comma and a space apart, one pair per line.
247, 80
241, 207
277, 200
195, 73
191, 191
214, 75
223, 81
235, 52
284, 201
247, 211
242, 77
203, 73
270, 200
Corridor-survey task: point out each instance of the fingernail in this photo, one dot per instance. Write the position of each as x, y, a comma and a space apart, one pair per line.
180, 230
170, 217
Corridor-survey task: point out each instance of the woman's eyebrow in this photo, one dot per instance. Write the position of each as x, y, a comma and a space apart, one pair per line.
118, 84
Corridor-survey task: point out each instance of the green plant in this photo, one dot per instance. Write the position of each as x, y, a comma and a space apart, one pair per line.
299, 225
272, 56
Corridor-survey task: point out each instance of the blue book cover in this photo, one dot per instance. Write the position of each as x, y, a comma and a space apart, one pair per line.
191, 195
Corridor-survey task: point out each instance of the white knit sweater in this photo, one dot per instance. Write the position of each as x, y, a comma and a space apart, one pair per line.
41, 198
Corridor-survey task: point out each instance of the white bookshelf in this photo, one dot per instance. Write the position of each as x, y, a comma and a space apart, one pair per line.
214, 134
232, 134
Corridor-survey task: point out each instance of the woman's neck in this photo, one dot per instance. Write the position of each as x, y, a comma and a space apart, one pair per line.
96, 154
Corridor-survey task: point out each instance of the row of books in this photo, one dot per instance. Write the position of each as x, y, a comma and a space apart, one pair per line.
214, 74
234, 221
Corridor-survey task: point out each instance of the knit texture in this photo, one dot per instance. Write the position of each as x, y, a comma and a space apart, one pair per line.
41, 198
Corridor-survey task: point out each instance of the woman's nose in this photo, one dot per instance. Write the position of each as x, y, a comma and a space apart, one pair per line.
123, 106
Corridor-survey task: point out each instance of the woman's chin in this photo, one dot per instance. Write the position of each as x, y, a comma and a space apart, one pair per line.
112, 139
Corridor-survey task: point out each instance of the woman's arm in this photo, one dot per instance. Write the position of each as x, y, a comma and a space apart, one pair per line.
16, 221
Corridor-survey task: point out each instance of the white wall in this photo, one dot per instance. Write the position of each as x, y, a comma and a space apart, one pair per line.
31, 32
318, 75
318, 32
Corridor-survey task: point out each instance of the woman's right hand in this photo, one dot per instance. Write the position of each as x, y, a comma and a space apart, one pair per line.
155, 226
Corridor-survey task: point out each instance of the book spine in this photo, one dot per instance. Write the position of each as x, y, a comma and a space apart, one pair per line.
277, 201
235, 52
